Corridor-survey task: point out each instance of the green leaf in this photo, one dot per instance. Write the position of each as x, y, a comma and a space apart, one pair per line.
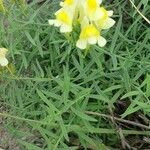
147, 82
48, 102
29, 146
63, 128
130, 94
29, 37
82, 115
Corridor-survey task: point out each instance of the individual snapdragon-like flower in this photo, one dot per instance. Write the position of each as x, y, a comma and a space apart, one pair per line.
63, 20
90, 35
105, 22
92, 9
3, 59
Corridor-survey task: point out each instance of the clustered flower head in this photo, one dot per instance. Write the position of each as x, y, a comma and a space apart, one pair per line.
92, 18
3, 59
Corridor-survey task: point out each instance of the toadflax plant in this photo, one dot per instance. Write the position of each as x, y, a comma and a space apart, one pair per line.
90, 15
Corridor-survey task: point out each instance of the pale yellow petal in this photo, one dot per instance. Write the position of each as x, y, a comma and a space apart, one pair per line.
110, 13
61, 4
65, 29
3, 62
54, 22
57, 23
92, 40
107, 23
82, 44
51, 21
101, 41
3, 51
99, 1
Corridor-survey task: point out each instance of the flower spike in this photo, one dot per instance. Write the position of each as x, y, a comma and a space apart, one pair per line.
90, 15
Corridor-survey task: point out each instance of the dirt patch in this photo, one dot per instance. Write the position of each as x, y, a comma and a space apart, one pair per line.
6, 141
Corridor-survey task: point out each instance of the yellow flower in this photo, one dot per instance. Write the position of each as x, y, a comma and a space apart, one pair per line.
90, 35
63, 20
105, 22
3, 59
92, 9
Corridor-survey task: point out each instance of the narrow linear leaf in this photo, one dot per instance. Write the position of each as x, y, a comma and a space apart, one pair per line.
82, 115
129, 94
